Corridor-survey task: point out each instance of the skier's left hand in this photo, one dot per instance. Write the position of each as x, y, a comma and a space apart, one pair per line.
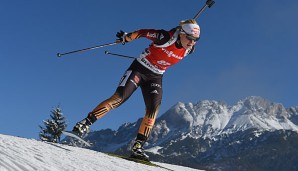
121, 37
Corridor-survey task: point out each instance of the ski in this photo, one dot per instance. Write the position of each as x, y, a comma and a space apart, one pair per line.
74, 135
146, 162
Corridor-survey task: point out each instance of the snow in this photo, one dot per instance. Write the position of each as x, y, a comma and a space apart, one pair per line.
20, 154
154, 149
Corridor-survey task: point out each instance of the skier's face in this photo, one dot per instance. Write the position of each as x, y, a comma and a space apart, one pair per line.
187, 41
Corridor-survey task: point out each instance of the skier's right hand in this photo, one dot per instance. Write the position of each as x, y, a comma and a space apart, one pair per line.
121, 37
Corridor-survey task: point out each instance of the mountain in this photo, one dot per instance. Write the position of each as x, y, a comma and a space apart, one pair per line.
255, 133
20, 154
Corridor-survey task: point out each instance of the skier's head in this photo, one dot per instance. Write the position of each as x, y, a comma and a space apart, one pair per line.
190, 32
190, 27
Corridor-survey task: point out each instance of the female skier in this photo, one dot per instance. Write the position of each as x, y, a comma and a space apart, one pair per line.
167, 48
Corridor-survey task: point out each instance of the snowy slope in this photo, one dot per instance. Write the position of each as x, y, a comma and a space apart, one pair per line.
20, 154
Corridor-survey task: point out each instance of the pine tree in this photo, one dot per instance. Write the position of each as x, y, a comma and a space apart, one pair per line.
53, 127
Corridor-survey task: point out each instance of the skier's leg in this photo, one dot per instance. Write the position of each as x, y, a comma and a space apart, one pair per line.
128, 84
152, 93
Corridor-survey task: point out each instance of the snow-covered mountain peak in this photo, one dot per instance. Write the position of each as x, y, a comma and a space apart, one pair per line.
193, 113
260, 105
209, 118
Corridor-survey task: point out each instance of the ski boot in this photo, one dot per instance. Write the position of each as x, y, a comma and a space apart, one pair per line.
137, 151
82, 128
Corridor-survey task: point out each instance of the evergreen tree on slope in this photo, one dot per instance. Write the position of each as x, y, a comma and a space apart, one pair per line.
53, 127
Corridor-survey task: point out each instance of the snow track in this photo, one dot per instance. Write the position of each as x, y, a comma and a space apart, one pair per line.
20, 154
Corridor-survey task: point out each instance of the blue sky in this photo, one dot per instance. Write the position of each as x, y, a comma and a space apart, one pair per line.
247, 48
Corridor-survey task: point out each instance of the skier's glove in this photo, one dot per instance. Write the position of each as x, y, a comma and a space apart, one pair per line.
121, 37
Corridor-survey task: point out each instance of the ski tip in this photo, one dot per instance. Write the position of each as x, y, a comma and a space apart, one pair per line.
70, 132
74, 135
59, 54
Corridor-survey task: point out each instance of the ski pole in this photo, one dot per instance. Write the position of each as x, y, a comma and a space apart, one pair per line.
90, 48
209, 4
124, 56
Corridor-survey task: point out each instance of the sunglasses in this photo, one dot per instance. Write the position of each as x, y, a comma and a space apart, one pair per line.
190, 37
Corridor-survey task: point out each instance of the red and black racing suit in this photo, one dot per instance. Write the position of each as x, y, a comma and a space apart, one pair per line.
146, 72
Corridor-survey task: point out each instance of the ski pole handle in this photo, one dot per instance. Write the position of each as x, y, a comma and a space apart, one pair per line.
90, 48
210, 3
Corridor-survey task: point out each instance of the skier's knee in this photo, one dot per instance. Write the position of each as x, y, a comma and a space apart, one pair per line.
115, 101
107, 105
